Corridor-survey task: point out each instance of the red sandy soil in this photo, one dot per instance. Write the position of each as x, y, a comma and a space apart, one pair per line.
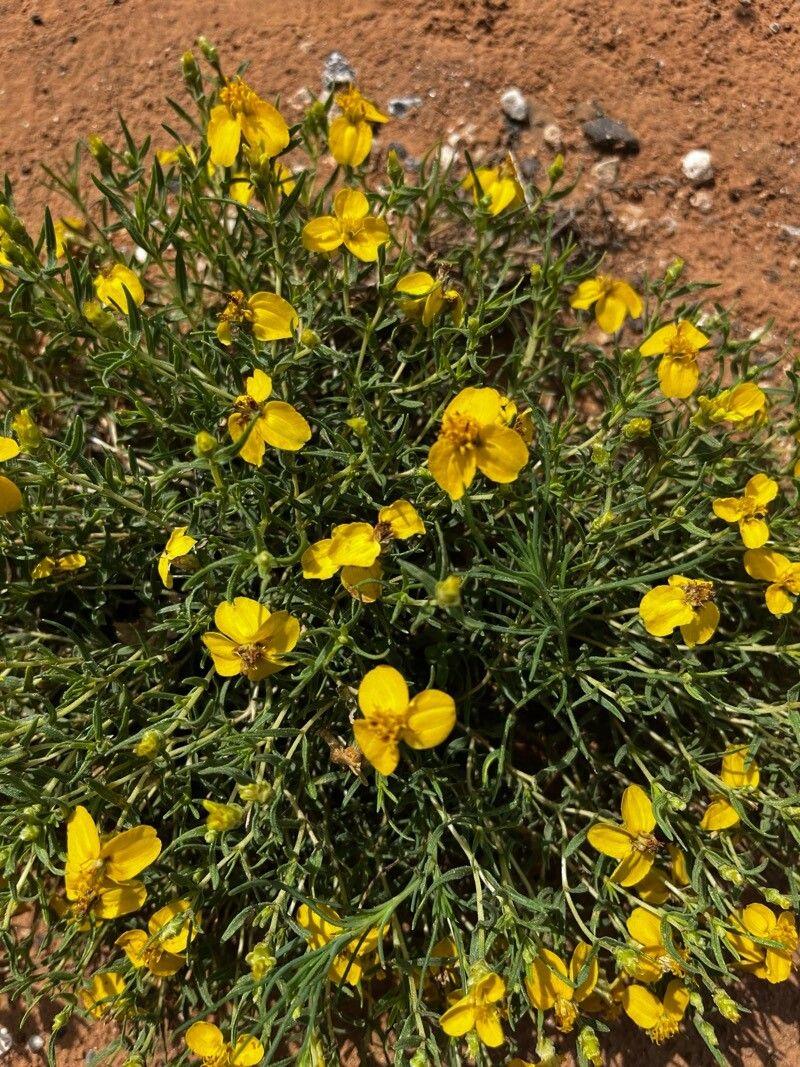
682, 74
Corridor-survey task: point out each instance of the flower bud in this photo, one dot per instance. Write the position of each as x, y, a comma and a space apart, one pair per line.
149, 744
310, 338
205, 444
639, 427
601, 457
608, 518
674, 271
730, 874
255, 792
556, 168
12, 225
222, 817
358, 425
28, 433
727, 1006
191, 71
448, 591
101, 152
772, 896
589, 1046
30, 832
260, 960
208, 50
394, 167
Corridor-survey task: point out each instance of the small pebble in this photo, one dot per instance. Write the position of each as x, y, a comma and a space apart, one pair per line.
400, 106
139, 254
514, 105
696, 166
609, 135
35, 1043
551, 135
6, 1041
337, 72
606, 171
37, 20
702, 201
790, 231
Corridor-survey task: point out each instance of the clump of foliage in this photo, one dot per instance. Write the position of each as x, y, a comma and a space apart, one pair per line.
384, 810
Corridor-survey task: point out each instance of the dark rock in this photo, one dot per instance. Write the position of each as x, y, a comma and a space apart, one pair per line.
400, 106
37, 20
530, 167
609, 135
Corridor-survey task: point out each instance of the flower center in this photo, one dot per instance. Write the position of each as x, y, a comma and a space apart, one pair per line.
461, 431
238, 97
566, 1014
238, 310
645, 843
697, 593
247, 406
663, 1029
252, 656
387, 725
351, 103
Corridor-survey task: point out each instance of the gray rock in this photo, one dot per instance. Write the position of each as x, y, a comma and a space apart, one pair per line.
790, 232
35, 1043
551, 135
696, 166
530, 167
514, 105
337, 72
400, 106
609, 135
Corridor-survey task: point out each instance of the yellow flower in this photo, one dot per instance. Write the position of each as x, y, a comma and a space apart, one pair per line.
112, 284
737, 773
66, 229
103, 990
424, 297
355, 547
684, 602
661, 1019
324, 925
473, 438
266, 315
350, 134
173, 157
251, 641
274, 423
179, 544
737, 405
551, 984
749, 509
613, 298
678, 343
499, 184
28, 433
10, 496
783, 577
222, 817
757, 921
205, 1040
653, 887
350, 225
4, 262
632, 843
478, 1009
654, 960
99, 876
48, 565
242, 113
390, 717
160, 949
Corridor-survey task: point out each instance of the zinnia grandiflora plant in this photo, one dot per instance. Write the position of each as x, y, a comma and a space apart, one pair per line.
398, 642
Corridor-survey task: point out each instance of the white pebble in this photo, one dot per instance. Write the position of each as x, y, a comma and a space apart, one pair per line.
696, 166
35, 1042
139, 254
514, 105
551, 135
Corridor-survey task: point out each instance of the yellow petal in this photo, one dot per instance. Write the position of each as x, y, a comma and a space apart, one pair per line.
10, 496
223, 653
246, 1052
350, 205
431, 718
83, 840
317, 561
8, 448
663, 608
252, 451
642, 1006
610, 313
349, 142
702, 627
761, 489
403, 518
283, 427
754, 532
678, 377
417, 283
258, 385
452, 469
645, 927
118, 900
363, 583
205, 1040
166, 915
637, 811
323, 234
658, 343
501, 453
241, 618
487, 1023
354, 545
719, 815
265, 129
653, 888
778, 600
382, 753
739, 770
383, 690
609, 839
280, 634
275, 318
580, 957
224, 135
484, 405
632, 869
542, 980
133, 943
765, 565
365, 240
459, 1019
629, 297
130, 852
504, 193
676, 1000
586, 294
728, 508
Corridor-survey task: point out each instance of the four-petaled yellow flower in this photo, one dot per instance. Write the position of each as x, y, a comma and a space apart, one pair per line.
479, 1009
350, 133
390, 717
113, 283
267, 316
50, 565
737, 405
660, 1018
160, 948
758, 921
783, 577
355, 547
653, 960
103, 991
500, 185
613, 298
350, 225
678, 344
242, 113
632, 843
274, 422
551, 984
99, 875
206, 1041
324, 925
252, 641
423, 297
684, 602
749, 509
474, 437
738, 772
179, 544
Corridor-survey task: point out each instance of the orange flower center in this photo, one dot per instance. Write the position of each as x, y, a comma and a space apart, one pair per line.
238, 310
645, 843
386, 725
238, 97
697, 593
460, 431
252, 656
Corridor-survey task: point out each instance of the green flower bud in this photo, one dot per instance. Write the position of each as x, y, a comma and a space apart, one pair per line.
260, 960
639, 427
310, 338
730, 874
556, 168
101, 152
149, 744
191, 71
601, 457
208, 50
589, 1046
727, 1006
255, 792
448, 591
222, 817
30, 832
205, 444
674, 271
602, 521
394, 168
28, 433
780, 900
